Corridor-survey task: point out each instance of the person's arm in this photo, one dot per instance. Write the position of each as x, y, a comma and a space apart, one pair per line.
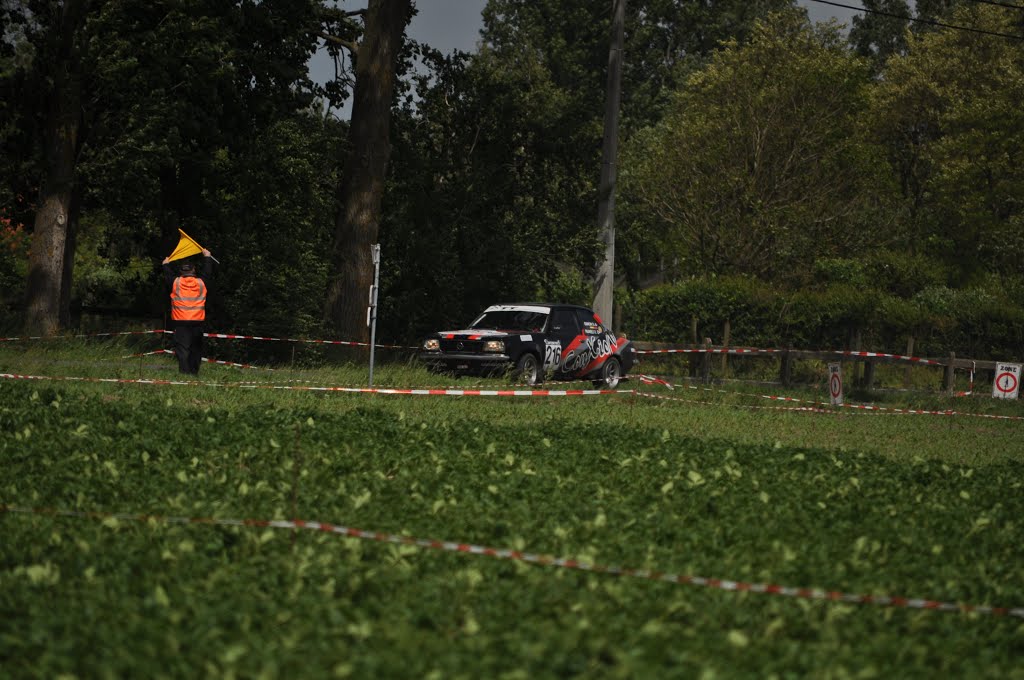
169, 274
207, 270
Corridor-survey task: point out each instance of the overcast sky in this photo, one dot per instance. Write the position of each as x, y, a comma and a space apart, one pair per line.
455, 25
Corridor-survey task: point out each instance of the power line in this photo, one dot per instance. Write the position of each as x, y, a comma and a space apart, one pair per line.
998, 4
930, 22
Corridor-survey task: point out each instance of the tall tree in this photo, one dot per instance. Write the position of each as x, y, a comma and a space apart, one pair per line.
49, 273
362, 186
137, 105
879, 32
948, 112
760, 167
496, 163
604, 281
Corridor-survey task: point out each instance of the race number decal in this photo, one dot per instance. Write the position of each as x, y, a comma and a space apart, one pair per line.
552, 354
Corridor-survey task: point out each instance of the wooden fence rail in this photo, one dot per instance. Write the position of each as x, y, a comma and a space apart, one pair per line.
701, 360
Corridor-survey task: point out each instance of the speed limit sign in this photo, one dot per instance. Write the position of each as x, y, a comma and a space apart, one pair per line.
1007, 382
835, 384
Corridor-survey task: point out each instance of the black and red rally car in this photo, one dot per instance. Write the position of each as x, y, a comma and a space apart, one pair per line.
564, 342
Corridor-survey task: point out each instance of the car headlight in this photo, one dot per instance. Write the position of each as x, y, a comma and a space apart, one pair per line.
432, 344
494, 346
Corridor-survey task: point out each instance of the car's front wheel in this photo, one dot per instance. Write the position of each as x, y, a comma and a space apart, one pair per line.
528, 370
611, 374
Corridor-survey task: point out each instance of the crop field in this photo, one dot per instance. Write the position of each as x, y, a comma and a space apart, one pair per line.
653, 533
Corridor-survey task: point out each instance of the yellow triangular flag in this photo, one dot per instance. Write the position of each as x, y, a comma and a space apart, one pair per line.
186, 247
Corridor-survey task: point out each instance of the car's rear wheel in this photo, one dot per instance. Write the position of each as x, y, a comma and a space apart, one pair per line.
528, 370
611, 374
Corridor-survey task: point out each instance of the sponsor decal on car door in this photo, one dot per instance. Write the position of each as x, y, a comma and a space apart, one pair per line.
567, 331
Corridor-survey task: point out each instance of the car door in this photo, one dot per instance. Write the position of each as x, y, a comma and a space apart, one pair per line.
602, 342
566, 329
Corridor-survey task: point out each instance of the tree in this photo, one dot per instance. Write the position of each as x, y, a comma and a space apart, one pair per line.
879, 33
362, 185
134, 133
604, 280
496, 163
759, 167
51, 256
949, 113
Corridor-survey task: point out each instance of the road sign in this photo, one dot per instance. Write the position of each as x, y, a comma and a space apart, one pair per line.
1007, 382
835, 384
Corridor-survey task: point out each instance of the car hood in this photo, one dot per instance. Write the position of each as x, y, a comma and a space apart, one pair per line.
480, 334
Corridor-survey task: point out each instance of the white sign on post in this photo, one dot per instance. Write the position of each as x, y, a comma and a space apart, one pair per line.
835, 384
1007, 382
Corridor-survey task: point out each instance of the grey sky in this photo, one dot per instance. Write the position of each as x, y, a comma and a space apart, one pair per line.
455, 24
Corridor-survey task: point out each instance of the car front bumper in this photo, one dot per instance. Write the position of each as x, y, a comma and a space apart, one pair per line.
469, 364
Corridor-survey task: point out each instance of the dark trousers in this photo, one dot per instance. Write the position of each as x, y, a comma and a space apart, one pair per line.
188, 346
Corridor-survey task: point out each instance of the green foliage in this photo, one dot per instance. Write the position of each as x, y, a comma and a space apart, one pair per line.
107, 276
879, 32
568, 286
971, 322
14, 245
702, 490
494, 170
275, 223
760, 166
948, 112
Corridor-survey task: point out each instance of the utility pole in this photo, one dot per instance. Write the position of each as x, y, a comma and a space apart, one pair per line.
604, 281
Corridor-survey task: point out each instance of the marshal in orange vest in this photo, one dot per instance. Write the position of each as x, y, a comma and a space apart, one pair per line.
188, 299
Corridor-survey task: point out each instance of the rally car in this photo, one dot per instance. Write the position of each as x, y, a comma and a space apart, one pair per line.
531, 341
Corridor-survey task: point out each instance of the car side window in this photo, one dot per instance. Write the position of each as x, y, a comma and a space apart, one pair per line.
589, 324
565, 322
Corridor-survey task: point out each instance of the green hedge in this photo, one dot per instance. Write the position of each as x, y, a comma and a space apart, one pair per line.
971, 322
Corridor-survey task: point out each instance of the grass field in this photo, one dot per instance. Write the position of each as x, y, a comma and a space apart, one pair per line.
695, 483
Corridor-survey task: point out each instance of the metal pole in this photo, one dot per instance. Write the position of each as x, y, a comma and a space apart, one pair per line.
371, 311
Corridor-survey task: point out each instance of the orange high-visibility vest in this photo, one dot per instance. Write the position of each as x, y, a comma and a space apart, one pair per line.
188, 299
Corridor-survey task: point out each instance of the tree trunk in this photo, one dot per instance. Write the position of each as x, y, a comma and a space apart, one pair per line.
49, 270
362, 184
68, 268
604, 279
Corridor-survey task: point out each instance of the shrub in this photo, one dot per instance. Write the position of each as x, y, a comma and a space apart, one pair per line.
971, 322
14, 245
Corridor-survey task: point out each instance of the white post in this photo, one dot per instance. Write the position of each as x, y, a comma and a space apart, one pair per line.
371, 311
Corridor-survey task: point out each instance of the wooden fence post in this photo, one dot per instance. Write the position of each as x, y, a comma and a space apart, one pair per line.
869, 374
907, 370
950, 368
694, 358
786, 368
705, 376
725, 345
855, 378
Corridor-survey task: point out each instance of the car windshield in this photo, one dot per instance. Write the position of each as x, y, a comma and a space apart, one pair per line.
512, 319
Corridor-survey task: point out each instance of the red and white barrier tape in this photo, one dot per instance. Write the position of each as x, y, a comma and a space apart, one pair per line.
350, 343
742, 350
84, 335
433, 391
824, 407
227, 336
720, 350
546, 560
796, 409
354, 390
205, 359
